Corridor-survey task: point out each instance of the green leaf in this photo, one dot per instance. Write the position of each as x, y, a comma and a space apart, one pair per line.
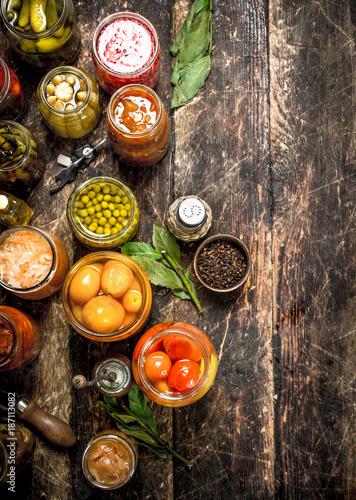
197, 7
163, 240
140, 249
161, 452
176, 73
140, 406
195, 41
158, 274
194, 79
139, 434
182, 294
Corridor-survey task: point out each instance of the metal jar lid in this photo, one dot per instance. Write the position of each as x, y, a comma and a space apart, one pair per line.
191, 214
121, 366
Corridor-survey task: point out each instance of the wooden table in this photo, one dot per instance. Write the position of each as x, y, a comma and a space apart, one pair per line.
270, 144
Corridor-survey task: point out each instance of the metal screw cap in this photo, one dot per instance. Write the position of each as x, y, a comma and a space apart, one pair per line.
191, 213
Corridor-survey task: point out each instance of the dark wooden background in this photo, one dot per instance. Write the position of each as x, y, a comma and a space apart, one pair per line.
270, 144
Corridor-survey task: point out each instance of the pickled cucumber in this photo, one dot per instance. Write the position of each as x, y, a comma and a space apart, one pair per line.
24, 18
53, 43
38, 19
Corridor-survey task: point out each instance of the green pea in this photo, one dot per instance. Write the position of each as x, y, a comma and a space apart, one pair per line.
104, 204
112, 221
120, 192
117, 199
111, 207
94, 201
127, 207
95, 220
95, 188
107, 230
106, 189
107, 214
125, 222
125, 199
114, 230
120, 206
99, 197
92, 227
91, 194
88, 205
97, 208
91, 210
85, 191
107, 225
102, 221
85, 199
77, 204
123, 213
116, 213
107, 197
87, 220
99, 230
118, 227
99, 214
83, 212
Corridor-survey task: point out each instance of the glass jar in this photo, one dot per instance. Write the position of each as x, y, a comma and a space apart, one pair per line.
189, 218
43, 259
104, 320
13, 211
68, 99
13, 101
22, 444
20, 338
21, 167
103, 213
109, 460
182, 363
114, 73
137, 144
41, 40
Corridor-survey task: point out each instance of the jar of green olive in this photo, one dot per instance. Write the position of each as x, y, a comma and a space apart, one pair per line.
21, 166
68, 99
103, 213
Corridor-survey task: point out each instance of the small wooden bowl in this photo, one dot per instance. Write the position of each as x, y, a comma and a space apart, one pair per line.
239, 245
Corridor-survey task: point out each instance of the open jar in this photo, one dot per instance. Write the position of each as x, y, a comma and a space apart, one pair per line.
109, 460
137, 126
21, 166
103, 213
68, 100
33, 262
42, 40
126, 50
174, 363
106, 296
13, 101
20, 338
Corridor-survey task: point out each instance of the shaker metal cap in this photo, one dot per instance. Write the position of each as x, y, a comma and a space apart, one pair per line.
121, 366
191, 213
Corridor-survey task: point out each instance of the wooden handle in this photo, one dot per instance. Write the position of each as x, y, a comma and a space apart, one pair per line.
55, 430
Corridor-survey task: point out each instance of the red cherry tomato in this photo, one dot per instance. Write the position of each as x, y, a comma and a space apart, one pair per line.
184, 375
179, 347
157, 366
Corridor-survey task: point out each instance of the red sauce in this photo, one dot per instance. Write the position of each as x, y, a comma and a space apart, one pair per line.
135, 114
125, 46
6, 339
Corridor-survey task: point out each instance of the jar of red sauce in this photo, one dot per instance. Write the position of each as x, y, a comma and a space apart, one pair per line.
33, 262
126, 50
137, 126
20, 338
174, 363
12, 98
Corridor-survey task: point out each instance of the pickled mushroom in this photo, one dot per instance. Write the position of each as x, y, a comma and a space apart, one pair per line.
108, 462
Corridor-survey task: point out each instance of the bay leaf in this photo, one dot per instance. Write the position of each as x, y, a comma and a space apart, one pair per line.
195, 77
140, 249
197, 7
140, 406
163, 240
196, 40
182, 294
158, 274
161, 452
139, 434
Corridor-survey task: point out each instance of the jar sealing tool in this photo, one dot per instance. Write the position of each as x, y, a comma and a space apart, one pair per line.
81, 158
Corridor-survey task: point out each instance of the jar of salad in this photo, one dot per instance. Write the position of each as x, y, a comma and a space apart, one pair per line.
42, 34
21, 166
20, 338
137, 126
33, 262
13, 101
126, 50
68, 99
174, 363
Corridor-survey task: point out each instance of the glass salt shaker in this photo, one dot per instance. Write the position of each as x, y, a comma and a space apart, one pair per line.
189, 218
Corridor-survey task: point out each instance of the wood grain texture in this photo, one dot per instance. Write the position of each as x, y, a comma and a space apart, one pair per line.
270, 143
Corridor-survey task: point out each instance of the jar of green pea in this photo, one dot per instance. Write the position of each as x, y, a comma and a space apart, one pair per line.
103, 213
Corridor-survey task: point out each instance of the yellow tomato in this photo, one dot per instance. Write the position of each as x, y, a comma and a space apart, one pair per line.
132, 301
103, 314
84, 285
116, 278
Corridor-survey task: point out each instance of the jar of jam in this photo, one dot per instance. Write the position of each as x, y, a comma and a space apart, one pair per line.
13, 101
174, 363
110, 460
137, 126
126, 50
33, 262
20, 338
68, 99
41, 38
103, 213
107, 296
21, 166
22, 444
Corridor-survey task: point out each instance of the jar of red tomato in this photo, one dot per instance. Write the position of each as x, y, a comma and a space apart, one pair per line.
12, 98
126, 50
20, 338
33, 262
174, 363
137, 126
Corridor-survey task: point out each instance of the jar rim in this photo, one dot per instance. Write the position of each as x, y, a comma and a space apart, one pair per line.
6, 359
25, 131
34, 36
123, 15
6, 85
48, 276
110, 435
64, 69
103, 238
126, 89
172, 329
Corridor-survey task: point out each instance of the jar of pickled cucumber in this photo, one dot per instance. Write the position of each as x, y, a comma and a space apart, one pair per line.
42, 33
21, 167
103, 213
68, 99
